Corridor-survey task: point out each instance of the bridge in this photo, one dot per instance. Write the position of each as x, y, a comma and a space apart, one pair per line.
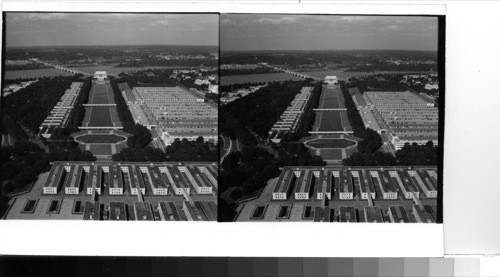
69, 70
301, 75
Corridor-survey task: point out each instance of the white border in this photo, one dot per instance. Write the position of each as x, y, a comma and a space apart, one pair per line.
223, 239
220, 239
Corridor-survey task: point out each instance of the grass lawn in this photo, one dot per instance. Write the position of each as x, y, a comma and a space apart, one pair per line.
331, 154
100, 149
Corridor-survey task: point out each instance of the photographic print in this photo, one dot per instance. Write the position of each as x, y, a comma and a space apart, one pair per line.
331, 118
110, 116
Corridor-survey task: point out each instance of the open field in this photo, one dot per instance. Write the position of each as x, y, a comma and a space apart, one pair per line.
331, 154
256, 78
98, 149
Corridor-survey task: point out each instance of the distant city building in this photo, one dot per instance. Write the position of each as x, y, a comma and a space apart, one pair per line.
431, 86
200, 82
16, 87
213, 88
100, 75
331, 80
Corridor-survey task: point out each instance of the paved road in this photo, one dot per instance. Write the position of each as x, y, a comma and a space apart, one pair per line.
228, 150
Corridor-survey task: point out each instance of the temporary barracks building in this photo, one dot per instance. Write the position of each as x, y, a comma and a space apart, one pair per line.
373, 214
91, 180
303, 187
152, 179
280, 212
346, 188
76, 180
191, 211
92, 211
408, 117
348, 214
117, 211
284, 185
60, 114
56, 179
423, 214
403, 179
142, 211
111, 176
174, 112
316, 182
398, 214
168, 211
291, 117
426, 182
323, 184
382, 180
155, 178
322, 214
365, 109
208, 209
363, 183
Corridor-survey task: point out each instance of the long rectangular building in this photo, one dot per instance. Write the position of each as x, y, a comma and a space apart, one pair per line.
59, 115
102, 190
116, 178
398, 214
407, 116
337, 193
312, 182
291, 117
173, 112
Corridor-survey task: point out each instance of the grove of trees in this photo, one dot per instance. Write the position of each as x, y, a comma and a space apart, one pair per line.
31, 105
245, 71
256, 113
179, 150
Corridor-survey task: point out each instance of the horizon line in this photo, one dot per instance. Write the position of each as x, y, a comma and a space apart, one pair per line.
328, 50
108, 45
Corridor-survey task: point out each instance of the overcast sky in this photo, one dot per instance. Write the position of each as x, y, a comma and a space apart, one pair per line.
47, 29
318, 32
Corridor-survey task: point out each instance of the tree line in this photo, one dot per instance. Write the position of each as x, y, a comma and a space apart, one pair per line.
31, 105
244, 173
246, 71
141, 136
224, 89
258, 111
309, 115
179, 150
